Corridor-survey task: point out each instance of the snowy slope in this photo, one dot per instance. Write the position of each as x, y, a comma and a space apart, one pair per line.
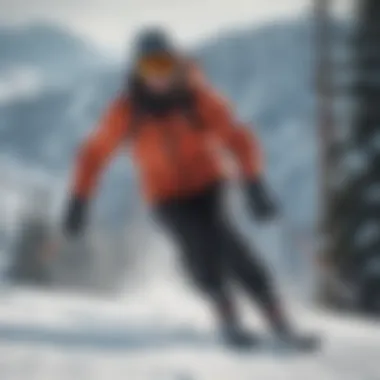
160, 335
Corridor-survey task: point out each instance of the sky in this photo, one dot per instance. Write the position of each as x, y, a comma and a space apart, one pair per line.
112, 23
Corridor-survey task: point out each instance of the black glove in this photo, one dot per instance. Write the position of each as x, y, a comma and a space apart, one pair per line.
75, 219
260, 203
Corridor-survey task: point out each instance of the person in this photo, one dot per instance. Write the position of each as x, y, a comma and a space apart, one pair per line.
175, 125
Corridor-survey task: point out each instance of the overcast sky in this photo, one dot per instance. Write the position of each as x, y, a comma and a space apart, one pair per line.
111, 23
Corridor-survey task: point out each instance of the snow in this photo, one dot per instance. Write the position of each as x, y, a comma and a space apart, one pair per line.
162, 333
20, 82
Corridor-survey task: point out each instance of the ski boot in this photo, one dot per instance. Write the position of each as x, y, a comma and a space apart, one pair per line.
237, 337
295, 341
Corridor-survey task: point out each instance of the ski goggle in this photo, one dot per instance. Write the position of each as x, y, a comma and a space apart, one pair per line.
157, 65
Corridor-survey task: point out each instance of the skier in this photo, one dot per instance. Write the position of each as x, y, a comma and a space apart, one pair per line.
175, 124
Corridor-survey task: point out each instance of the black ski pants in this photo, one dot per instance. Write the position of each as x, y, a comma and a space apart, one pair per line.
211, 248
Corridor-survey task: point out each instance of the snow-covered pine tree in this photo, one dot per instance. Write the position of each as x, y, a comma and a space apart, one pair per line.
355, 217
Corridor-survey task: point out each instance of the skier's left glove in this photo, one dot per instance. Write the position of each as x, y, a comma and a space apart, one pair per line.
260, 202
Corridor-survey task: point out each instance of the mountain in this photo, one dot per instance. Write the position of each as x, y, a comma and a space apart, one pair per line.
265, 72
54, 55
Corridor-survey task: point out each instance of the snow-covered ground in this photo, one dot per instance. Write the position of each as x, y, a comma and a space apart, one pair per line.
162, 333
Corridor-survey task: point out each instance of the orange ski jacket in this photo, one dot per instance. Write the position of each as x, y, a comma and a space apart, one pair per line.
173, 158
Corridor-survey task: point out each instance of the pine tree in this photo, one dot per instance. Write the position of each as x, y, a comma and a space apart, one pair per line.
355, 212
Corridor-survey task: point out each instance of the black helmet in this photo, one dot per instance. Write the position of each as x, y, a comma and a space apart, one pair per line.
152, 41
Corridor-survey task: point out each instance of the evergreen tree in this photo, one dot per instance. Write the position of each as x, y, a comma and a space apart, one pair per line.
355, 212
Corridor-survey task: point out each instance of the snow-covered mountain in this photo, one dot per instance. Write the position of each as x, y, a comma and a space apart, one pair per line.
47, 50
266, 72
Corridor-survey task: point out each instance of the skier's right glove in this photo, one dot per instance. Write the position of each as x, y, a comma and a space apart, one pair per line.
73, 223
260, 202
76, 216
